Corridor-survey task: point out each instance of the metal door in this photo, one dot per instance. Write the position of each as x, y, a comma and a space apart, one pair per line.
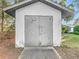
38, 31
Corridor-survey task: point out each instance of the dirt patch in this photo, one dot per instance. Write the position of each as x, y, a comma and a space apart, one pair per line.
7, 46
68, 53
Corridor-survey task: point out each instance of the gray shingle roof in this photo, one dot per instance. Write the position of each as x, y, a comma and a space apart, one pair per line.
11, 10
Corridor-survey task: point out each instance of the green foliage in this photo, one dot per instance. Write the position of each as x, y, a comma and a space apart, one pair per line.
10, 25
63, 3
64, 29
76, 29
71, 7
4, 18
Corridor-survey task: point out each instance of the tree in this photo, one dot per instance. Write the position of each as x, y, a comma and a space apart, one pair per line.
2, 14
76, 29
63, 3
3, 4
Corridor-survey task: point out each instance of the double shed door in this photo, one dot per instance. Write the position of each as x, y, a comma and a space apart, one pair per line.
38, 31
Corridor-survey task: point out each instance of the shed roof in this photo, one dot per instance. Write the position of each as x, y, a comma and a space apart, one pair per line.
11, 10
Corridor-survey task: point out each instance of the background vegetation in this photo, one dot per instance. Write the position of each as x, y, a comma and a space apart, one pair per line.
76, 29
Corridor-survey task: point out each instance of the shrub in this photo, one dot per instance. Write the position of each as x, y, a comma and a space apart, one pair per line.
76, 29
64, 29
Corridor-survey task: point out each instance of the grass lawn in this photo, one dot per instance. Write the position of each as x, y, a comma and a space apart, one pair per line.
70, 41
70, 47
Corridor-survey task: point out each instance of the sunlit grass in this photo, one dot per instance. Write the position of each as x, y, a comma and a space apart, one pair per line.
70, 41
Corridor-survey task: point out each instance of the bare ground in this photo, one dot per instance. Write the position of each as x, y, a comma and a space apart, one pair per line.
7, 46
8, 50
68, 53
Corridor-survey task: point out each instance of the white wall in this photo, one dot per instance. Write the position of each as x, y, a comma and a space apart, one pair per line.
37, 9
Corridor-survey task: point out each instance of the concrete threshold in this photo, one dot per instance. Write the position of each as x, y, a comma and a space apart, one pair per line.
39, 53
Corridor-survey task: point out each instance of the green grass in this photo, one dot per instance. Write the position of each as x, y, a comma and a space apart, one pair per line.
70, 41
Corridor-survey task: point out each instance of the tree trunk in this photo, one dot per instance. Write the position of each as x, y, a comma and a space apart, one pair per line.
2, 24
